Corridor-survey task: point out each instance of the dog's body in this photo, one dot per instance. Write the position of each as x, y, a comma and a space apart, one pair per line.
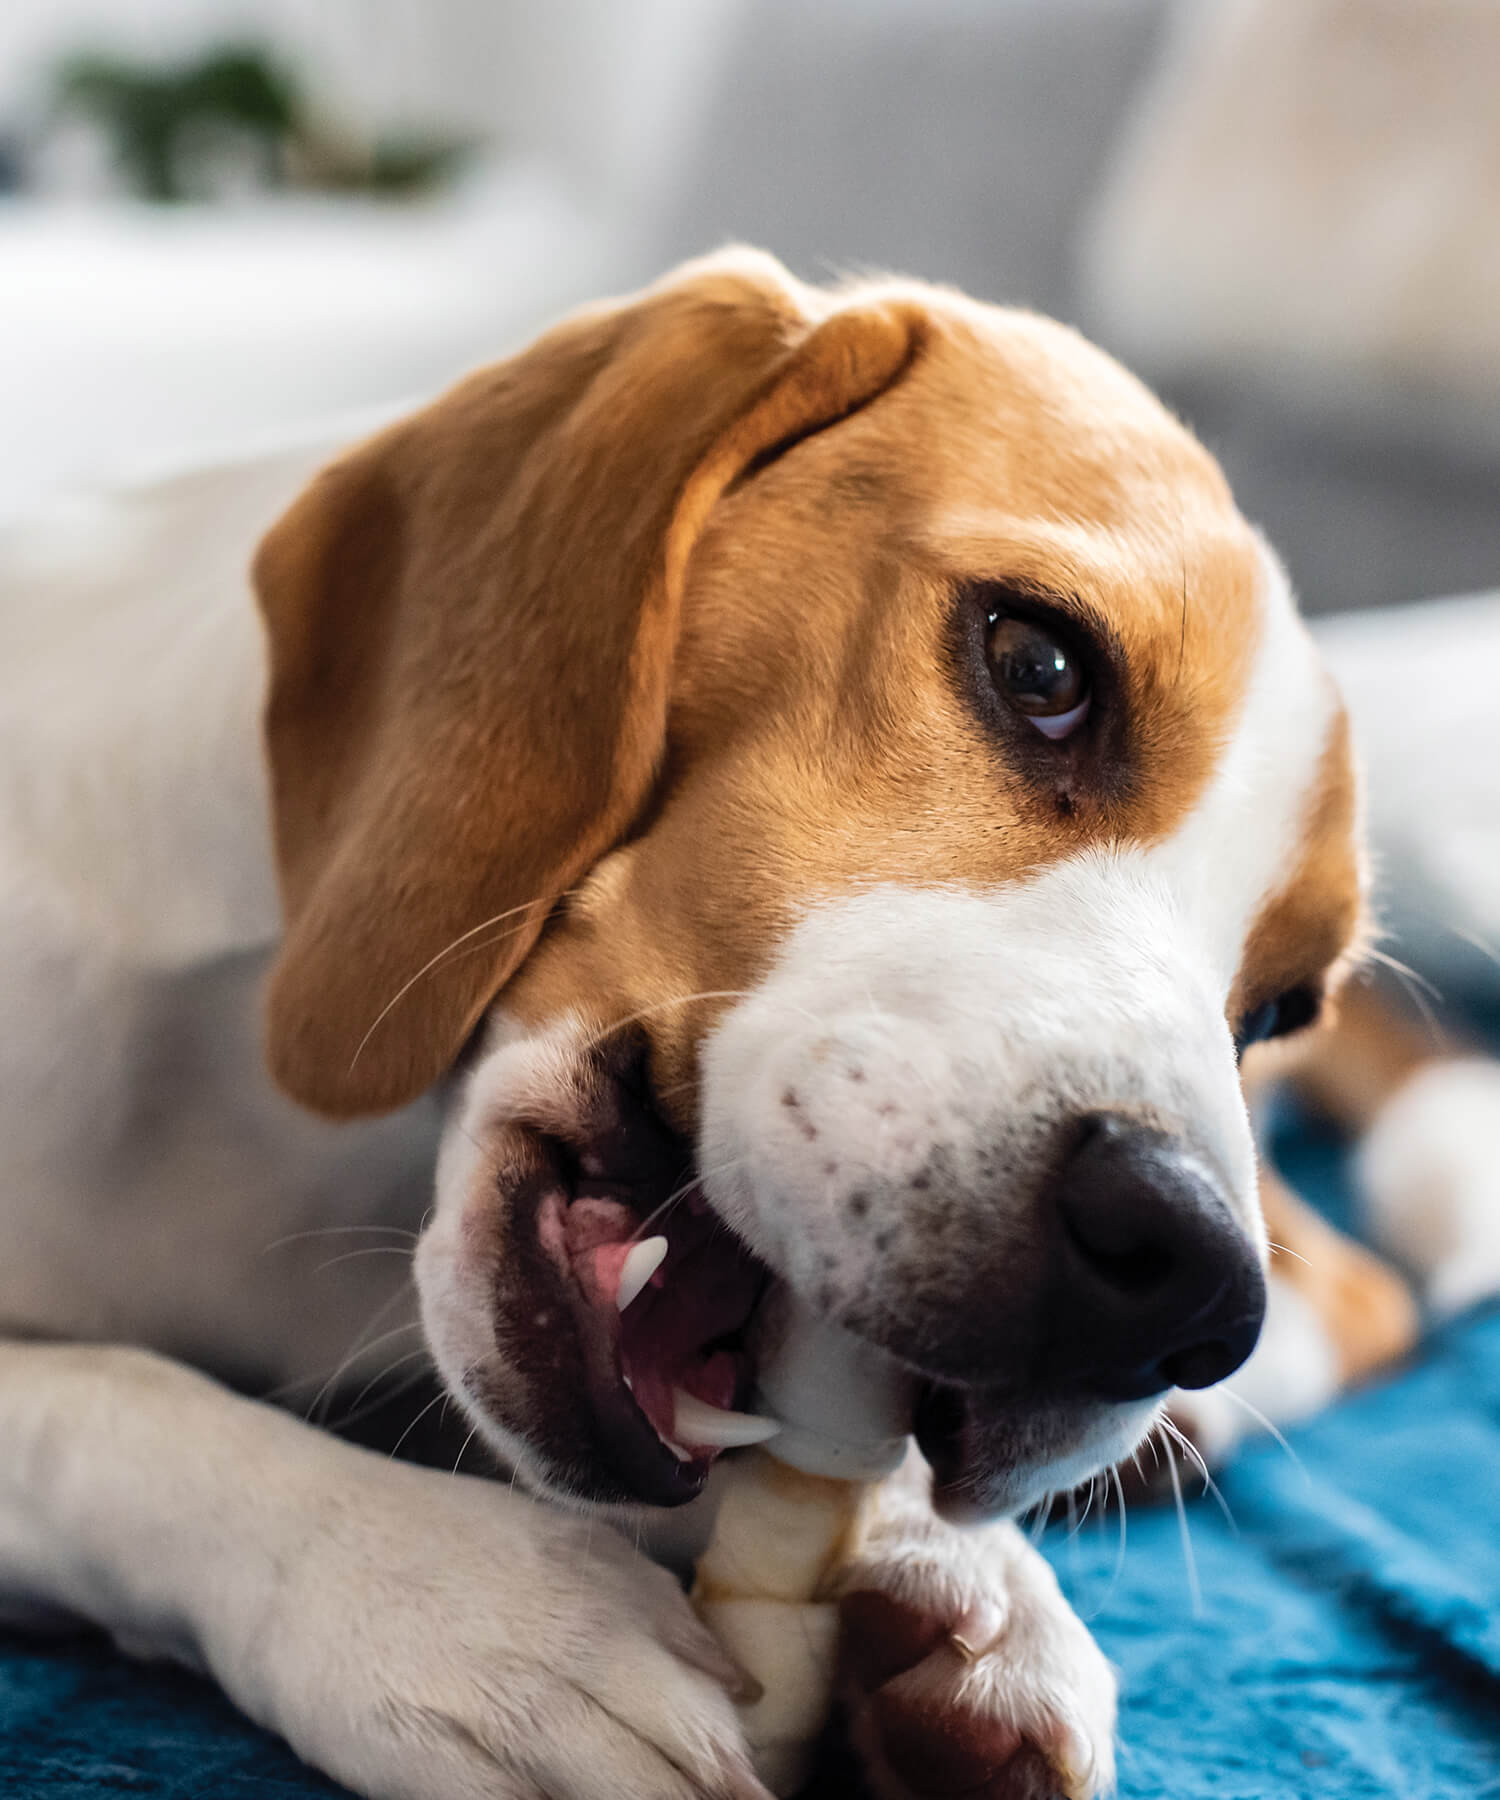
138, 878
768, 898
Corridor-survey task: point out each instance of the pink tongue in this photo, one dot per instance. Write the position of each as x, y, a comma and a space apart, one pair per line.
599, 1237
604, 1269
713, 1379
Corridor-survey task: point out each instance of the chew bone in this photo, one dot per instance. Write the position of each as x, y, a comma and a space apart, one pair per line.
790, 1519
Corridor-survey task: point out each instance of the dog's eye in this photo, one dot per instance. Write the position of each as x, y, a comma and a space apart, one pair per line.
1288, 1012
1038, 675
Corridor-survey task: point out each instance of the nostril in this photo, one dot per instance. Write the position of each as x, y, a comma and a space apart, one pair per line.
1202, 1365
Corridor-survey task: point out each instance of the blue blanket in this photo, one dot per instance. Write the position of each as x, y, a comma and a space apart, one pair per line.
1341, 1638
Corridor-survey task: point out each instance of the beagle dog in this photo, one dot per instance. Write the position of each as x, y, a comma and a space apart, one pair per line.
823, 778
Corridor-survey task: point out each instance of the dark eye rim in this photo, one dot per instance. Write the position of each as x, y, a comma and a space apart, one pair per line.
1295, 1008
1096, 759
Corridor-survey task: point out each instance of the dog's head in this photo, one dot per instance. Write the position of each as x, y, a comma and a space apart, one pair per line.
848, 775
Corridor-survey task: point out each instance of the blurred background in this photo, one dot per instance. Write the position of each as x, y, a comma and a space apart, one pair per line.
223, 218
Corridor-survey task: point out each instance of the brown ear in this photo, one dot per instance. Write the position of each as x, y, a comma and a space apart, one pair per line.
472, 621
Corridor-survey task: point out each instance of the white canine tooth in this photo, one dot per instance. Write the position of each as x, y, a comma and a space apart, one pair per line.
640, 1264
714, 1427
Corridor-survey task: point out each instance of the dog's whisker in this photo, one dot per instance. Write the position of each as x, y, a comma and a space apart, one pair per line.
363, 1346
324, 1396
1475, 942
1266, 1425
660, 1212
606, 1032
1286, 1250
686, 1086
679, 1194
1414, 984
1189, 1561
1111, 1474
468, 1136
390, 1369
297, 1237
463, 1450
603, 1035
1114, 1470
396, 1447
287, 1390
447, 950
443, 1398
1397, 967
356, 1411
1210, 1486
1075, 1555
721, 1168
333, 1262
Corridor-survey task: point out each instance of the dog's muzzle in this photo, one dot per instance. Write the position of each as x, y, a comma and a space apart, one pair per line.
1123, 1274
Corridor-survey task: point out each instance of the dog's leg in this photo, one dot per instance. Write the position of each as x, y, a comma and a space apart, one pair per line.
1426, 1122
411, 1633
1364, 1306
1427, 1116
964, 1669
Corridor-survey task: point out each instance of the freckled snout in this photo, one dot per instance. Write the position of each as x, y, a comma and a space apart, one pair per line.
1154, 1283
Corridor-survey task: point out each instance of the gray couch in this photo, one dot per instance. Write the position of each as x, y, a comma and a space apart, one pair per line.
963, 140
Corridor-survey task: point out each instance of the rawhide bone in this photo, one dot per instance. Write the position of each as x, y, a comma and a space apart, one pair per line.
790, 1521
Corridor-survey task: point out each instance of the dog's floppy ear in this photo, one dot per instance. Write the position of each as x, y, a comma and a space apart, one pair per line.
472, 621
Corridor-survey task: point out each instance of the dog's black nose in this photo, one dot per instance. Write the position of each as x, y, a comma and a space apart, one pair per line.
1154, 1284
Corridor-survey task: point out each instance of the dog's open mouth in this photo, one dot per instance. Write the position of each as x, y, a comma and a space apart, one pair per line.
661, 1293
657, 1376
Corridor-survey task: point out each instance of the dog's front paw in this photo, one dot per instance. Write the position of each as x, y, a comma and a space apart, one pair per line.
439, 1638
966, 1672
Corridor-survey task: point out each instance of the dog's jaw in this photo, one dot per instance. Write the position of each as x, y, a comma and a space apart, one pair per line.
580, 1295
